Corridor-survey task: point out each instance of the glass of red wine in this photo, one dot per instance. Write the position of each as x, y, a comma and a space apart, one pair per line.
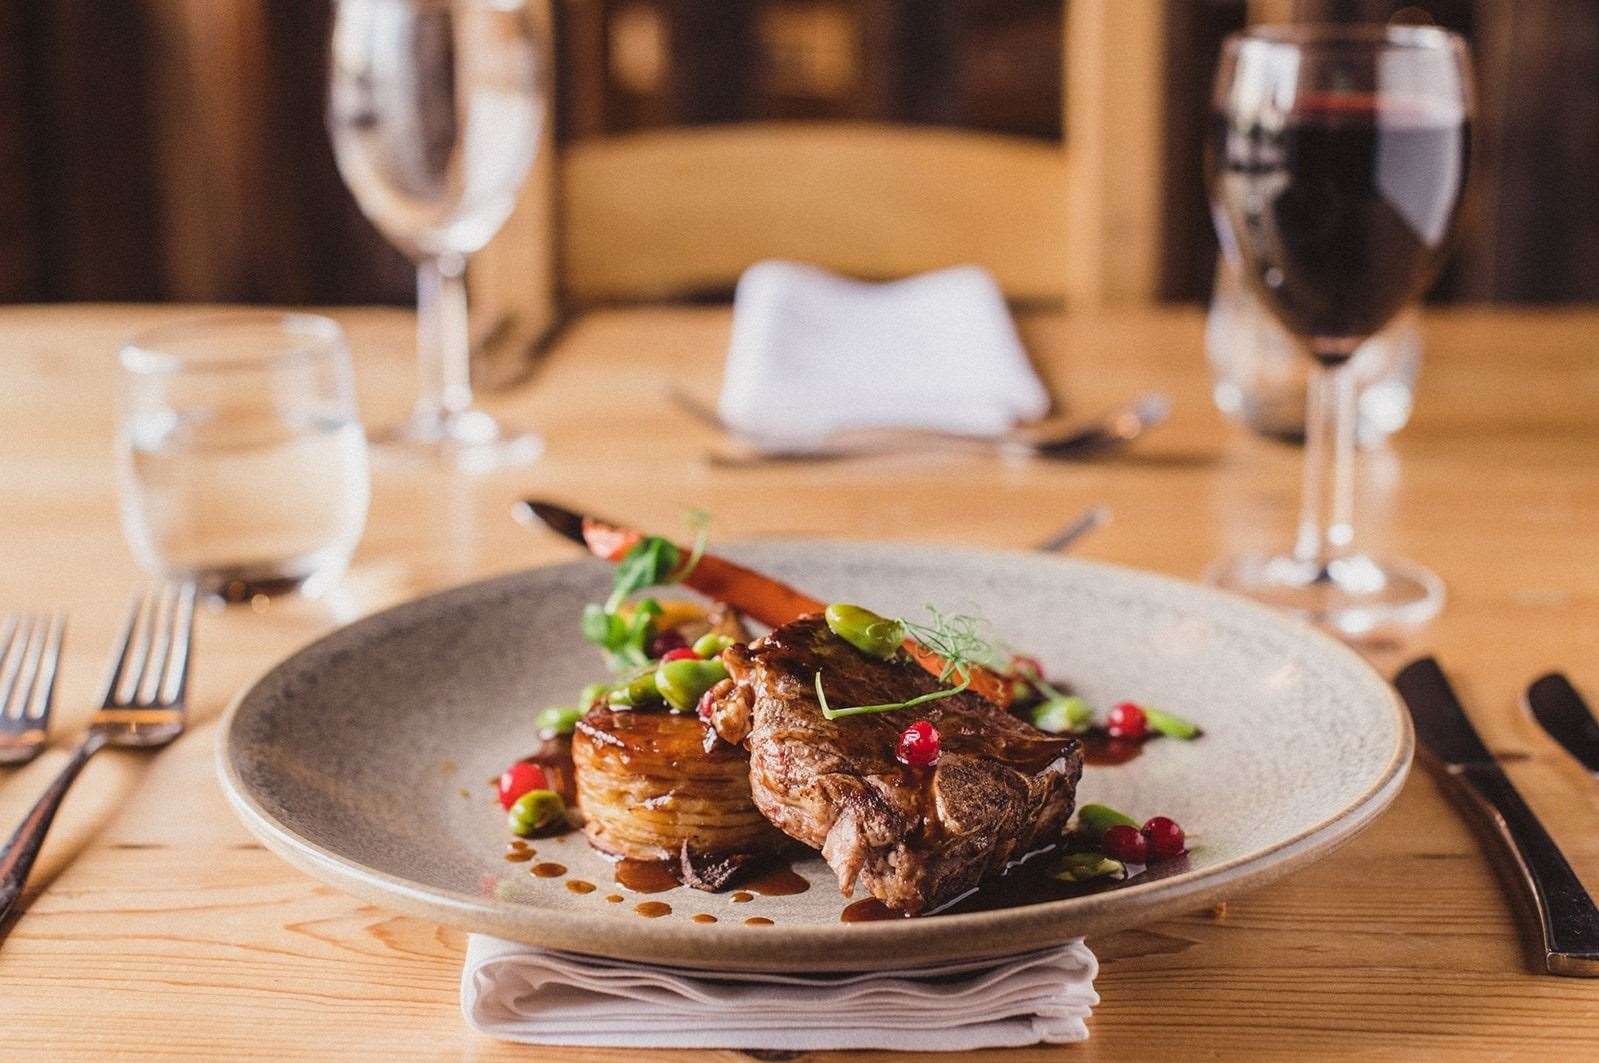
1336, 164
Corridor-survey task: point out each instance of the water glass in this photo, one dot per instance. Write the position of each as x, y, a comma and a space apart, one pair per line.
242, 459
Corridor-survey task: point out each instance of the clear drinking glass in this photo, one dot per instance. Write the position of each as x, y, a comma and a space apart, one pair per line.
435, 109
1336, 165
243, 464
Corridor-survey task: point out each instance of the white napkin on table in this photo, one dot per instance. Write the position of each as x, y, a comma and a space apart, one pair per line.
519, 993
814, 353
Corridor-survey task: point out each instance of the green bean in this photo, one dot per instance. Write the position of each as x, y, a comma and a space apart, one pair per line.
1094, 820
636, 692
875, 636
535, 811
557, 720
1169, 725
683, 682
592, 693
1062, 715
1084, 867
711, 643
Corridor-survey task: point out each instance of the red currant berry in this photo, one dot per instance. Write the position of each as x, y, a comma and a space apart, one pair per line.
1124, 843
1126, 721
518, 779
1165, 838
918, 745
666, 642
682, 653
707, 699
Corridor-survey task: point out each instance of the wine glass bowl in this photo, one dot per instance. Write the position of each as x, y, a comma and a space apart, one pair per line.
435, 109
1336, 164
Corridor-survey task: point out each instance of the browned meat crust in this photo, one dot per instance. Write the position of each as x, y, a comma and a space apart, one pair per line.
915, 838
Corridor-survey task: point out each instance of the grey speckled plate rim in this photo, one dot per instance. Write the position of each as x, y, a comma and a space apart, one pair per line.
735, 947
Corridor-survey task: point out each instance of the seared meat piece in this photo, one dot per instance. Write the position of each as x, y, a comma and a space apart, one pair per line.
915, 838
649, 791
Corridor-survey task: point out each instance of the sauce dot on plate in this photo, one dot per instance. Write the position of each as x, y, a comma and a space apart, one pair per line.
757, 920
705, 917
548, 870
653, 909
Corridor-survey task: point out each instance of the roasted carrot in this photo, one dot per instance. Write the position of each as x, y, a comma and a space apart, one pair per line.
766, 600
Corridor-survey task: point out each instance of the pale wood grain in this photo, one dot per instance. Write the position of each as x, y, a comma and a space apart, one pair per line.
660, 213
157, 927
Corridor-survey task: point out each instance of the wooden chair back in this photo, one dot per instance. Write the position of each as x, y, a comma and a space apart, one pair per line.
676, 213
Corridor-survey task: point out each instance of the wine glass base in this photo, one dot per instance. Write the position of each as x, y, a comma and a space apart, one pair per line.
1358, 598
468, 440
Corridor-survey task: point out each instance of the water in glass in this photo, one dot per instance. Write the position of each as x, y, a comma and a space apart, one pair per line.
243, 464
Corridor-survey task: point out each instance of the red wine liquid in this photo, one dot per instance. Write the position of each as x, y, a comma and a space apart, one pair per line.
1341, 215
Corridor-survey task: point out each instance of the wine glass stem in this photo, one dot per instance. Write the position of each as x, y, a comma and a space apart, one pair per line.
443, 340
1326, 525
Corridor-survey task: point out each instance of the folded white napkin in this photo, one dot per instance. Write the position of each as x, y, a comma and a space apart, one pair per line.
814, 353
520, 993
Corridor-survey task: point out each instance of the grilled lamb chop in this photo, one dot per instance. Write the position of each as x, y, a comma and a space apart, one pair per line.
914, 838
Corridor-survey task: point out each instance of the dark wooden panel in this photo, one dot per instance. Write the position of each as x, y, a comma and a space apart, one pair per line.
89, 145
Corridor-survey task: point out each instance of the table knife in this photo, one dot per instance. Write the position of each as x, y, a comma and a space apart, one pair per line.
1567, 918
1557, 706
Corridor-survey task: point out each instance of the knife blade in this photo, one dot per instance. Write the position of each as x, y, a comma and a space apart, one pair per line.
558, 519
1568, 921
1560, 710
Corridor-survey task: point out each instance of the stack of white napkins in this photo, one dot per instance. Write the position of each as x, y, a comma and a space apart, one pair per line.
813, 353
536, 996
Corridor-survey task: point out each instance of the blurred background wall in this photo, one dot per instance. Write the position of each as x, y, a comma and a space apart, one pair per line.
175, 150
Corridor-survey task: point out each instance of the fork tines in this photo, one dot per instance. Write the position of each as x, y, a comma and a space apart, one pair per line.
29, 658
152, 657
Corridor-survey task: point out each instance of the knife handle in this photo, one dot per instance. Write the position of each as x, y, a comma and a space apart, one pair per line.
1566, 914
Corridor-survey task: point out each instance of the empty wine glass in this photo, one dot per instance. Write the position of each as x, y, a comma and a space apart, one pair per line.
435, 109
1336, 165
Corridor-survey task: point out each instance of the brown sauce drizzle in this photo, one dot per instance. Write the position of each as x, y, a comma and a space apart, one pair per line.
741, 896
868, 910
1101, 750
614, 898
705, 917
548, 870
779, 881
757, 920
653, 909
577, 885
517, 856
645, 876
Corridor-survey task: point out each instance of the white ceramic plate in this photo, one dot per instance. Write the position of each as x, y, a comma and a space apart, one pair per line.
364, 758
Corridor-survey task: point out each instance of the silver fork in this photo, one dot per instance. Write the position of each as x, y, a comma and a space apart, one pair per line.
143, 707
30, 651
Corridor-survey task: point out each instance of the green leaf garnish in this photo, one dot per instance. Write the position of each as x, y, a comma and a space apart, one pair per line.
830, 713
1170, 725
647, 564
651, 562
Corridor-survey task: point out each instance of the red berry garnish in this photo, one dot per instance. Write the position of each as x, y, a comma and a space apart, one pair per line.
1124, 843
518, 779
666, 642
682, 653
1126, 721
707, 699
918, 745
1165, 838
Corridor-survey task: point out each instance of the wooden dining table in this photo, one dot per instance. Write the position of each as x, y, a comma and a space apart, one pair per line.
157, 926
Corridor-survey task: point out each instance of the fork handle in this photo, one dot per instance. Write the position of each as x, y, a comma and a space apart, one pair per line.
16, 859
